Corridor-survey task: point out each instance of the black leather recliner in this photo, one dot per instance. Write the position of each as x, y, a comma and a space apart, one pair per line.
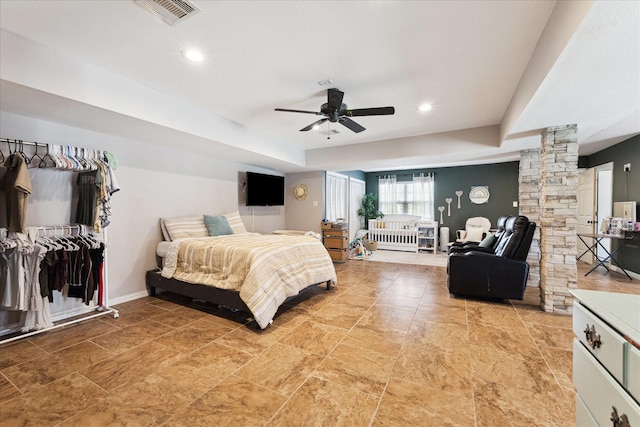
467, 246
497, 272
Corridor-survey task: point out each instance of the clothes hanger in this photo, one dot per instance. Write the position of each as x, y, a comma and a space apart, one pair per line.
43, 163
24, 156
36, 155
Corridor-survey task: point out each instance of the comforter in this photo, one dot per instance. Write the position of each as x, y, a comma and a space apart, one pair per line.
265, 269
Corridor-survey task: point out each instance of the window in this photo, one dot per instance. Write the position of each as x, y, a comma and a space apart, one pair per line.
406, 197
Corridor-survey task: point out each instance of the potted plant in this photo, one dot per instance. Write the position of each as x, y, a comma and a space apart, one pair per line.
368, 208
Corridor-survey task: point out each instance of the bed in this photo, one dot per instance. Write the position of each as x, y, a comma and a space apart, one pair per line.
247, 271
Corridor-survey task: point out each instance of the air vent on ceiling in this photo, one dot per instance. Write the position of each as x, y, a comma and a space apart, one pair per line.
171, 11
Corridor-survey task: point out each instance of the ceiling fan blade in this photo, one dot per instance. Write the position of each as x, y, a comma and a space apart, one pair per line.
351, 124
334, 99
313, 125
359, 112
317, 113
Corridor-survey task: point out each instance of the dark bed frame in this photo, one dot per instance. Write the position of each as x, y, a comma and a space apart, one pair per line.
223, 297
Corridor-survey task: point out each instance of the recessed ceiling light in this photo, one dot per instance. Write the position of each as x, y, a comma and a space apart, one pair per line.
193, 55
424, 108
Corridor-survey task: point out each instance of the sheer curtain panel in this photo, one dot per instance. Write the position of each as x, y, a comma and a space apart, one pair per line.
387, 194
423, 195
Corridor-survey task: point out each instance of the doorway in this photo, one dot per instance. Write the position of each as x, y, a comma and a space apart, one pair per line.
604, 198
595, 201
356, 193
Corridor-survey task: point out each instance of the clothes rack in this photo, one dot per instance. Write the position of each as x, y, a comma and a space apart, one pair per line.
104, 309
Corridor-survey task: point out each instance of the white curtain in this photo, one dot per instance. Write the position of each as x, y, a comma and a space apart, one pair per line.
423, 195
387, 194
336, 196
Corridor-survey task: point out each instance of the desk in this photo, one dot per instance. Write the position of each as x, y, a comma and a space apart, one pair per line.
610, 256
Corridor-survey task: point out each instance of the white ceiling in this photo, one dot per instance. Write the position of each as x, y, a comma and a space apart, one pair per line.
496, 72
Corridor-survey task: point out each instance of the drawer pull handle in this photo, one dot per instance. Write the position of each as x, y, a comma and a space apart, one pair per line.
619, 421
592, 338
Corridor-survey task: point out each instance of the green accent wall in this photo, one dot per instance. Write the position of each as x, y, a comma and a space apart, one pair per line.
501, 178
626, 187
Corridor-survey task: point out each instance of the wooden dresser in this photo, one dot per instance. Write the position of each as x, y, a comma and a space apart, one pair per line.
606, 358
336, 240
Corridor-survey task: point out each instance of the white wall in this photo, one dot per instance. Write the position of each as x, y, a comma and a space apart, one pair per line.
155, 182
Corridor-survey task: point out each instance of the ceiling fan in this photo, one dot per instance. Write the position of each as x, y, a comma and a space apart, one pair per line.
335, 111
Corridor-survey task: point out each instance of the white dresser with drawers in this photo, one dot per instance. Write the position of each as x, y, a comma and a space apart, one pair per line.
606, 358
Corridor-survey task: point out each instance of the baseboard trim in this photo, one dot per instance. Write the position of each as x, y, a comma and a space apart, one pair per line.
128, 297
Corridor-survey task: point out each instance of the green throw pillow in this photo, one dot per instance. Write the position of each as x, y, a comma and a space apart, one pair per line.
217, 225
487, 242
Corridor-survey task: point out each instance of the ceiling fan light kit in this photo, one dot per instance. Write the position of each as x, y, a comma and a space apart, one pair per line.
335, 111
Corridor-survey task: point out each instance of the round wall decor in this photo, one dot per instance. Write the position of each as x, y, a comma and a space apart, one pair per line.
300, 192
479, 195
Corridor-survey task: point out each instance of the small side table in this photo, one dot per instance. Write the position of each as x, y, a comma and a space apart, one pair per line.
597, 238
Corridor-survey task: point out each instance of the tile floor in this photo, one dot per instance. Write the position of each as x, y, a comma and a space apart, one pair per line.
387, 347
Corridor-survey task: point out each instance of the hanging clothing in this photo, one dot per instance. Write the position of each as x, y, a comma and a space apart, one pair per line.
12, 276
16, 185
88, 184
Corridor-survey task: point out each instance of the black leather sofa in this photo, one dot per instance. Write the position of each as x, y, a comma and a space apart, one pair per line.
497, 271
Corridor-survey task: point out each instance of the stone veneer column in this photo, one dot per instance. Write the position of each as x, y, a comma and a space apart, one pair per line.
529, 202
558, 217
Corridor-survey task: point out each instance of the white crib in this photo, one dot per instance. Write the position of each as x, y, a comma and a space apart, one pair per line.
395, 232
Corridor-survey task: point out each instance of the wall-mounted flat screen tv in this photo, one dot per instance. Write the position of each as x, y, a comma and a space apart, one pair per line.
264, 190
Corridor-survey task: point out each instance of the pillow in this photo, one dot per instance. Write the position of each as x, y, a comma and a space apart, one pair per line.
488, 241
235, 222
184, 227
474, 234
217, 225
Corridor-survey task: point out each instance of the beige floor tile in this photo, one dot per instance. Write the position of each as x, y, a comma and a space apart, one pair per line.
561, 363
507, 337
497, 405
193, 336
180, 317
323, 403
48, 406
436, 365
17, 352
250, 340
493, 314
204, 368
131, 336
551, 336
235, 401
131, 313
290, 317
357, 368
73, 334
387, 317
281, 368
340, 316
130, 366
315, 337
409, 404
150, 402
535, 315
7, 390
35, 373
512, 369
387, 344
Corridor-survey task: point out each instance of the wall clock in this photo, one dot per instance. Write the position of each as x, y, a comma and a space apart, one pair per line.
300, 192
479, 195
